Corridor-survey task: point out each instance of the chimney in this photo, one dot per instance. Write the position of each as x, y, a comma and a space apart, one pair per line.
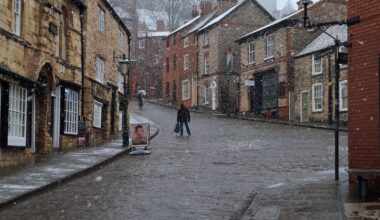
160, 25
301, 6
225, 4
206, 7
194, 12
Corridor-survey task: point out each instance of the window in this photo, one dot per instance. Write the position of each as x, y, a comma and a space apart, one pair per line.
99, 69
174, 61
121, 41
269, 91
185, 89
270, 46
251, 53
159, 42
207, 66
167, 89
317, 96
167, 64
17, 5
167, 43
71, 112
142, 44
186, 42
174, 39
230, 62
101, 20
206, 39
317, 65
343, 96
343, 49
98, 107
120, 120
186, 63
120, 82
157, 59
58, 42
205, 95
17, 116
141, 59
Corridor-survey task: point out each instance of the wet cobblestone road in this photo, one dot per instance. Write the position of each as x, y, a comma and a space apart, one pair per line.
213, 174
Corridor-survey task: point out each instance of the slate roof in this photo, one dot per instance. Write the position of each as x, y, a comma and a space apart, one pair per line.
324, 41
201, 23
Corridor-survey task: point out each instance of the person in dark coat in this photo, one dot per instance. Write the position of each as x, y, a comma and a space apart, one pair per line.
183, 117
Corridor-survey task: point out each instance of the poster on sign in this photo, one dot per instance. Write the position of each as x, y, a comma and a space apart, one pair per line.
140, 134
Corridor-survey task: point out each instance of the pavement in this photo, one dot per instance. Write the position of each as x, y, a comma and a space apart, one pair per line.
60, 167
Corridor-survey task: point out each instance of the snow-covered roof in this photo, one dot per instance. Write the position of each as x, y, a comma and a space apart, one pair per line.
201, 23
185, 25
325, 41
154, 34
223, 15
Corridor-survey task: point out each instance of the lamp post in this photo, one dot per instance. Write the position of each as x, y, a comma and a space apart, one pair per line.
124, 66
338, 59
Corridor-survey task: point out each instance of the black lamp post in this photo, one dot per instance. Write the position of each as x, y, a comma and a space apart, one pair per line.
124, 67
339, 58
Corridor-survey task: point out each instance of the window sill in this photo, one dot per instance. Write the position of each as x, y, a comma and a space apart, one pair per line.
250, 64
343, 110
206, 103
316, 74
205, 46
70, 135
97, 128
185, 99
269, 58
317, 111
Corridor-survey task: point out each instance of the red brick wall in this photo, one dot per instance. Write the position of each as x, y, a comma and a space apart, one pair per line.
363, 85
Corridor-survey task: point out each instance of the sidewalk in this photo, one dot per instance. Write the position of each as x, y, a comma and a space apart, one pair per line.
273, 121
59, 167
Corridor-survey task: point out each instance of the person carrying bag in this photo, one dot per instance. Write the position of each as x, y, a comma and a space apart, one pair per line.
183, 118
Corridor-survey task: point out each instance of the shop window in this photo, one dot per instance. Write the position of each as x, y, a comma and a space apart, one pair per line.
17, 116
269, 91
98, 106
71, 112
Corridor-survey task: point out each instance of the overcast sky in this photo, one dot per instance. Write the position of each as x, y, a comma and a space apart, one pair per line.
281, 3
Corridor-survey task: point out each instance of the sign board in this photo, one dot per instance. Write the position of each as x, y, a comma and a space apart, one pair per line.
249, 83
140, 133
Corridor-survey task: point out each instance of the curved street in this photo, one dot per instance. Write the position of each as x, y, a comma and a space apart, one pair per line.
217, 173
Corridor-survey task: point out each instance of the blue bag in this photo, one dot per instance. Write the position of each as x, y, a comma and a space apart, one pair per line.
176, 128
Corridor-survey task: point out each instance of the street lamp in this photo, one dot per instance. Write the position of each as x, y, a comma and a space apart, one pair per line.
339, 58
124, 67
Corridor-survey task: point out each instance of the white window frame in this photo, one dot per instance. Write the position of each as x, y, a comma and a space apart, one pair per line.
141, 43
343, 49
99, 70
121, 40
71, 112
120, 120
230, 55
157, 59
270, 46
17, 116
120, 82
314, 63
251, 53
344, 82
17, 9
186, 62
205, 95
98, 110
101, 20
185, 84
314, 107
207, 65
186, 42
206, 39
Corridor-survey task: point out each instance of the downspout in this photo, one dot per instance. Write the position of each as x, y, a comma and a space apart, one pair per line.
82, 58
197, 61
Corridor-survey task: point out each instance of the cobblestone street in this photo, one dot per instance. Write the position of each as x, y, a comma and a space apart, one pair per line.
223, 169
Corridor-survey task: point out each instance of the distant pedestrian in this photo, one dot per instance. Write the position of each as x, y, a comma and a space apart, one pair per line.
183, 117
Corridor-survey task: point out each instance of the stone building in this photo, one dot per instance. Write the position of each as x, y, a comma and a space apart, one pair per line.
267, 62
149, 61
173, 63
40, 77
363, 89
107, 39
219, 54
314, 82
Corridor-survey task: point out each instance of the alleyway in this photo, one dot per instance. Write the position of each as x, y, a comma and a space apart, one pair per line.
214, 174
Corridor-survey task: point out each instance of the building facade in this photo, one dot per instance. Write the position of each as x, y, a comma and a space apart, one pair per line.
149, 62
363, 88
267, 62
40, 70
219, 54
107, 40
314, 81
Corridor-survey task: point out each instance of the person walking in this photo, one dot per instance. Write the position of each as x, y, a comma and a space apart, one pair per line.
183, 117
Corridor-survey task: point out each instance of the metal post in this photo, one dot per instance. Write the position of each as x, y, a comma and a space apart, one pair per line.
337, 78
125, 125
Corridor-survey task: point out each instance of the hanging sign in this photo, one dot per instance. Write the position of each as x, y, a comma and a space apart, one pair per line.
249, 83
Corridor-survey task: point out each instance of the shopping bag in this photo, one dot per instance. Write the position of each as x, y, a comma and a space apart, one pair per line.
176, 128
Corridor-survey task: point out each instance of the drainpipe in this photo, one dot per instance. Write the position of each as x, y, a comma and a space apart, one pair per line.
82, 58
197, 61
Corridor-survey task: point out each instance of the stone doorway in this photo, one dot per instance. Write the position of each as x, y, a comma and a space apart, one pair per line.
44, 116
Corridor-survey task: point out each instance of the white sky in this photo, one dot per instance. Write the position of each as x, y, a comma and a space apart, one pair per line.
281, 3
